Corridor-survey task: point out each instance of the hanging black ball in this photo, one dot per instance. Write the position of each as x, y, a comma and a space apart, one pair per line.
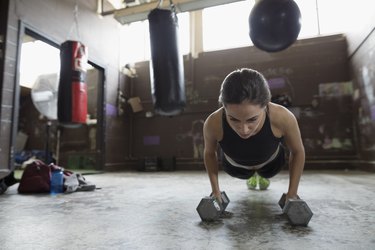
274, 24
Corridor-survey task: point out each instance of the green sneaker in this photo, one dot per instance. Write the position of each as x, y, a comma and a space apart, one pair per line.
264, 183
252, 182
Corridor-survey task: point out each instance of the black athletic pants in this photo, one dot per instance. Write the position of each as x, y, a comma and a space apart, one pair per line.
267, 171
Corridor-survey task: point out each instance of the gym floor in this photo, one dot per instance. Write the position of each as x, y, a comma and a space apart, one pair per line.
158, 211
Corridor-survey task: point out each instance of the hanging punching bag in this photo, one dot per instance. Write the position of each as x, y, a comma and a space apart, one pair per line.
72, 94
274, 24
166, 66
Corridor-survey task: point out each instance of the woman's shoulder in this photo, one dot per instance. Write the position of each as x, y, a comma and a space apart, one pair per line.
280, 117
278, 111
213, 123
215, 116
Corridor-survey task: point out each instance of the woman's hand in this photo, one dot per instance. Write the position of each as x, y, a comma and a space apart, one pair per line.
217, 196
291, 196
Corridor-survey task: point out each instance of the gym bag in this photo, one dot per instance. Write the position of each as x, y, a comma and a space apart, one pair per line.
36, 178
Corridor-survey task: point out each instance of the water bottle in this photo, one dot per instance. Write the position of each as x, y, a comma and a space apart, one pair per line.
57, 181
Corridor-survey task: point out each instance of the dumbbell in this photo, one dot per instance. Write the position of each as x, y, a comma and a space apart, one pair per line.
298, 212
210, 209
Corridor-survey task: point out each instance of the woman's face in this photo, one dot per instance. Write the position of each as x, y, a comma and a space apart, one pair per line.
244, 118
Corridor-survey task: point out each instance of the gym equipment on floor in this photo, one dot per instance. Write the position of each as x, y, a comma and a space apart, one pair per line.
210, 209
297, 210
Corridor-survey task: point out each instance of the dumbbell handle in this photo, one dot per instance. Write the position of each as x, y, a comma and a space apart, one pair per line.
224, 200
283, 201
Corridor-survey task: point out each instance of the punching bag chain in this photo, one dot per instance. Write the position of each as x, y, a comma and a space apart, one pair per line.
171, 4
75, 24
160, 4
173, 9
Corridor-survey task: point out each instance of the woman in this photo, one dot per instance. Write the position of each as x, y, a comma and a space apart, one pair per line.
250, 130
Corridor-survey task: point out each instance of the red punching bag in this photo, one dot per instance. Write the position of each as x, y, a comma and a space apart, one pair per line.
72, 95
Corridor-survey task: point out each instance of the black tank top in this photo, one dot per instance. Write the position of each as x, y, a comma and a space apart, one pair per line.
252, 151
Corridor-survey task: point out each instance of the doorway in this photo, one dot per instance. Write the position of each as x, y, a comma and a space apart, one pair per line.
38, 134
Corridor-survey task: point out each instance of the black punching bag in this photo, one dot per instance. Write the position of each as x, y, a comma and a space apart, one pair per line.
166, 66
274, 24
72, 95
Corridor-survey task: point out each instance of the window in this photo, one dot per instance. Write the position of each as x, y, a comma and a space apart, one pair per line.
319, 17
226, 26
332, 21
309, 19
135, 43
48, 63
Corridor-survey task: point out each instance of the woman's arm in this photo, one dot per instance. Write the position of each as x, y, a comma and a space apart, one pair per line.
210, 155
293, 140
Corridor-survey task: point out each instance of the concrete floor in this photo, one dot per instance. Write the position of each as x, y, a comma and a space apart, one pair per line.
158, 211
